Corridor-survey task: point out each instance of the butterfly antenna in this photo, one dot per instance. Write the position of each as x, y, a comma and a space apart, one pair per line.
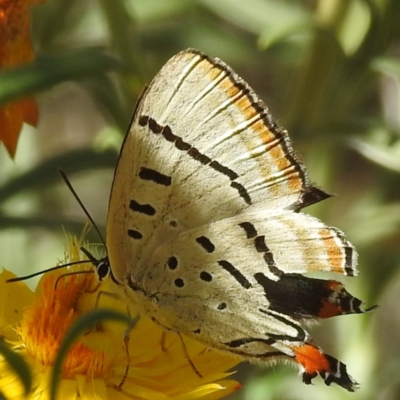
22, 278
72, 190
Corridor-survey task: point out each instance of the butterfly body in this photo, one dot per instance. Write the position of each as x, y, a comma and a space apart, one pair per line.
204, 233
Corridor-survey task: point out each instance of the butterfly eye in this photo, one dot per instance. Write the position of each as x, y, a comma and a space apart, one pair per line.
103, 269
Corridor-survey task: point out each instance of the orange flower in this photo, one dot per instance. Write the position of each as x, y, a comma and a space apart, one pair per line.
95, 365
15, 50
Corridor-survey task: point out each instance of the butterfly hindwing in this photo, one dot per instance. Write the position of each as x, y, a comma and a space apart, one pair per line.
243, 278
259, 257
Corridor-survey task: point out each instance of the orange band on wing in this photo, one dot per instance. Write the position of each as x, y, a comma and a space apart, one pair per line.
335, 254
311, 358
329, 310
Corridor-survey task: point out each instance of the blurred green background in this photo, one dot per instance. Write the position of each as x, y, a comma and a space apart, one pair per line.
329, 72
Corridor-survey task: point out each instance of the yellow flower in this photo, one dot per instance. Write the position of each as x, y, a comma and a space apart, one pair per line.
35, 325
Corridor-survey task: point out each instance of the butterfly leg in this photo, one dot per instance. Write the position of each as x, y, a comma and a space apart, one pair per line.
106, 294
188, 356
127, 334
163, 347
163, 337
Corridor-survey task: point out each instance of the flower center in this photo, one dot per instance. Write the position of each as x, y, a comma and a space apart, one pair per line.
45, 322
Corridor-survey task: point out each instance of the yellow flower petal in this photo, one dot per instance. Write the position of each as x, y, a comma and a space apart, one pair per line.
14, 298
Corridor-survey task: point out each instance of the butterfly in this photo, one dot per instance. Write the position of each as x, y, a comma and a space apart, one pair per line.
204, 230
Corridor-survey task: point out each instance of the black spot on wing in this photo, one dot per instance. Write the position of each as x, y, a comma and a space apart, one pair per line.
227, 266
142, 208
134, 234
179, 282
206, 243
181, 145
205, 276
172, 262
243, 341
221, 306
148, 174
168, 135
261, 247
143, 120
196, 155
154, 126
269, 260
250, 230
242, 192
232, 175
259, 242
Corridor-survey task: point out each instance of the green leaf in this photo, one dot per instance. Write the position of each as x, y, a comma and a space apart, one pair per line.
387, 65
50, 223
261, 16
381, 146
18, 364
105, 92
48, 71
274, 35
46, 174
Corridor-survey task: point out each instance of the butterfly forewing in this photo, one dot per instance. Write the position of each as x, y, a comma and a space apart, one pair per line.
202, 147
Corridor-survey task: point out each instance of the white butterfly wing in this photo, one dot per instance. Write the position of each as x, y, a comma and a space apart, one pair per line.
202, 229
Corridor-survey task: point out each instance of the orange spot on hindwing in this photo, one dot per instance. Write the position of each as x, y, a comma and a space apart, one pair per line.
315, 362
